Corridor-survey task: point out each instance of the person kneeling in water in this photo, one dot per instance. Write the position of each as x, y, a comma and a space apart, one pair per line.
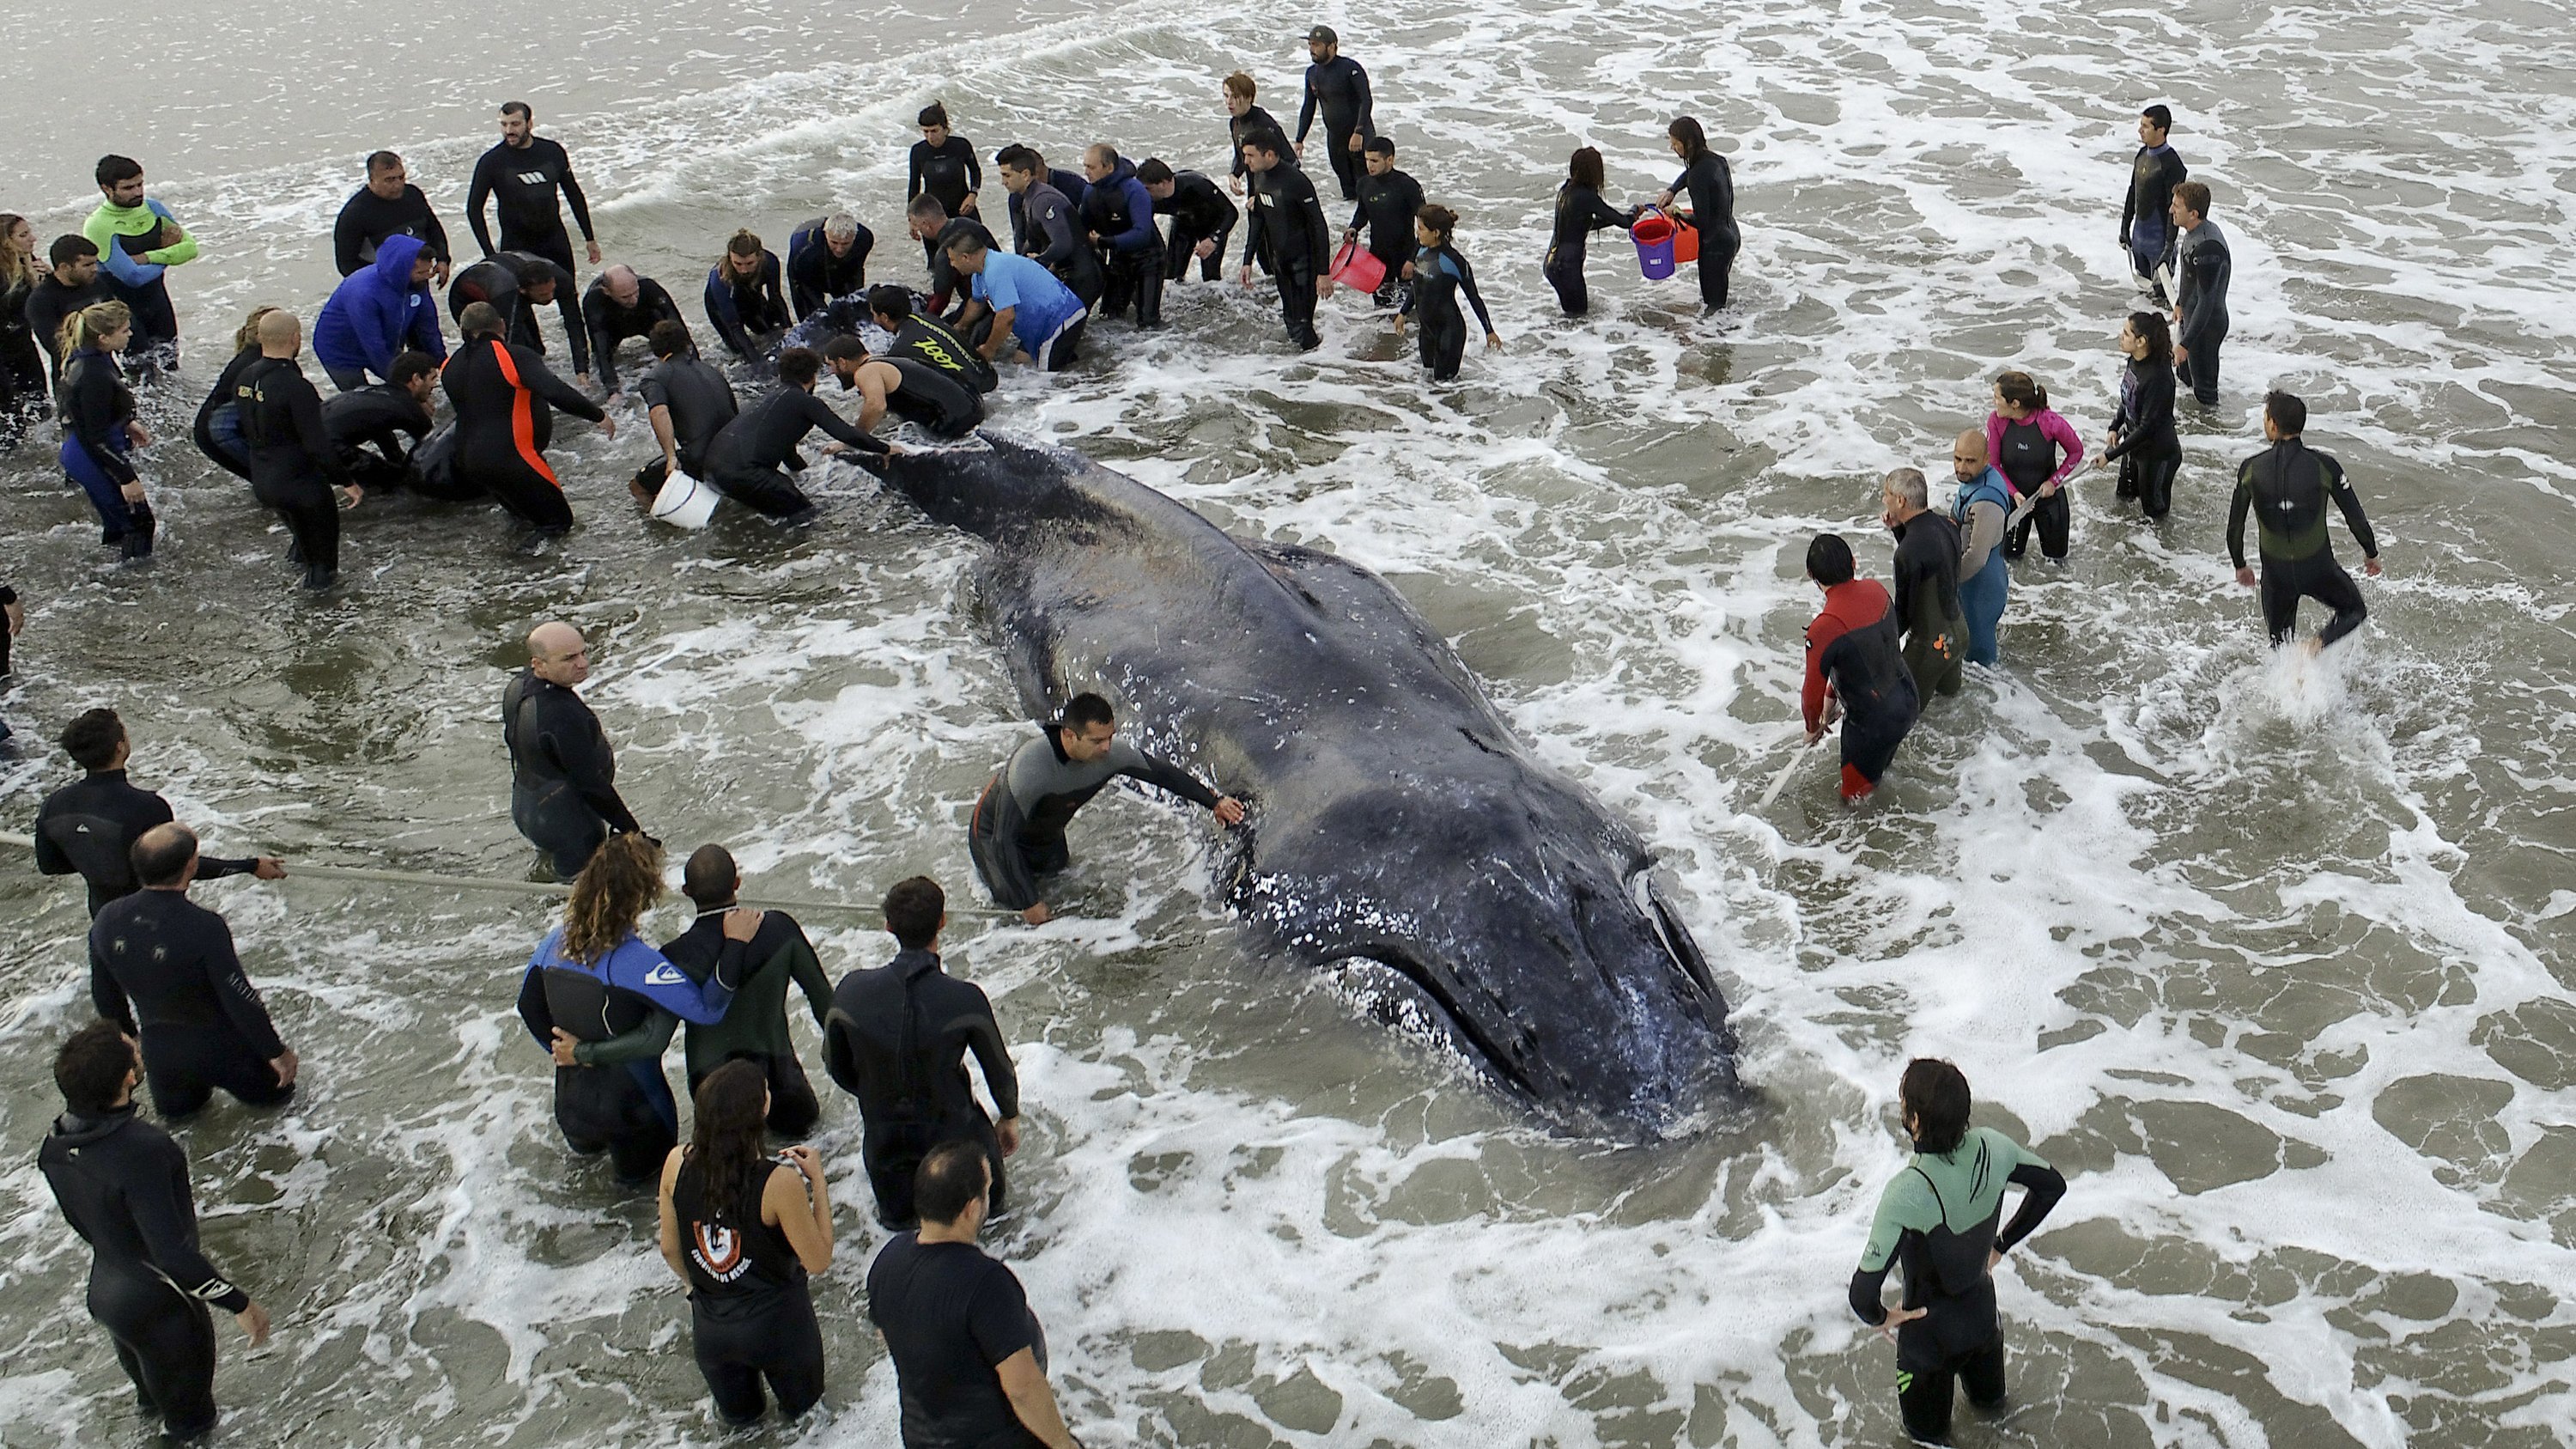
750, 459
914, 391
603, 1005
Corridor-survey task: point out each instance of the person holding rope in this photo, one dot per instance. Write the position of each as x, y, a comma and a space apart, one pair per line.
91, 825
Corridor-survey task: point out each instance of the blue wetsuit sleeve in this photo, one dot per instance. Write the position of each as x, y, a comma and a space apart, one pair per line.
721, 312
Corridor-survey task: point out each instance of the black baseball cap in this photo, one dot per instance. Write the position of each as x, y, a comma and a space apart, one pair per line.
1322, 35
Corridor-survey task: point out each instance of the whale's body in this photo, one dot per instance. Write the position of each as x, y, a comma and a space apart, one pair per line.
1400, 835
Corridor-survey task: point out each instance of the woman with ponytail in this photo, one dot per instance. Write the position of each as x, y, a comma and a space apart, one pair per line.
99, 429
2036, 451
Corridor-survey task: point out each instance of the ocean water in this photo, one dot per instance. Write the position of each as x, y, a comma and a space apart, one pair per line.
2269, 955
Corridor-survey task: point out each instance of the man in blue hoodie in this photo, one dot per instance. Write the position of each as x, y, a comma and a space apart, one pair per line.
1983, 512
378, 313
1118, 213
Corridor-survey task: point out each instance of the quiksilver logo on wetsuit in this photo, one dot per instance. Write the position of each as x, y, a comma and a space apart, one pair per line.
665, 974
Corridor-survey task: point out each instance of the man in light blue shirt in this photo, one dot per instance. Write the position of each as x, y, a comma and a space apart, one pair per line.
1034, 317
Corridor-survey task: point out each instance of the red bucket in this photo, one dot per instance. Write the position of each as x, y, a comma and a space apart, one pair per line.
1358, 270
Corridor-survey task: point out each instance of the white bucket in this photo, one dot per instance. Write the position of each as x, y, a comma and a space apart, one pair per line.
685, 502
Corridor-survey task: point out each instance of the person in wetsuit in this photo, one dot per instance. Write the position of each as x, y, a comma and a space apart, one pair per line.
1202, 218
742, 1229
2146, 233
1980, 509
72, 286
1047, 226
516, 284
525, 174
387, 206
1288, 236
2286, 487
940, 402
1389, 200
1017, 833
2142, 439
217, 431
754, 1028
294, 464
925, 339
1580, 212
163, 968
1855, 667
138, 243
1710, 184
24, 378
620, 305
89, 827
1118, 224
826, 258
99, 426
743, 300
505, 400
1440, 276
752, 457
943, 165
1244, 120
1927, 585
2036, 451
1942, 1220
603, 1005
1337, 86
122, 1184
688, 401
896, 1039
392, 417
2202, 265
931, 225
563, 775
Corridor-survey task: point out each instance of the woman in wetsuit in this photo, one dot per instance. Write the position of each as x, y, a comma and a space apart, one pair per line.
1580, 212
1439, 275
1710, 184
742, 1229
99, 427
2143, 429
22, 364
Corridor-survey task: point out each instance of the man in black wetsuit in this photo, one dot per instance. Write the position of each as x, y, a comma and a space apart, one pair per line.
388, 205
1244, 119
1942, 1219
755, 1026
1387, 202
620, 305
163, 968
393, 416
1288, 236
563, 775
525, 173
294, 465
1017, 831
73, 283
1927, 585
938, 400
90, 826
2202, 265
2286, 487
1336, 85
1047, 224
2146, 233
896, 1039
505, 399
925, 340
1202, 218
687, 401
936, 230
750, 460
826, 258
516, 284
123, 1186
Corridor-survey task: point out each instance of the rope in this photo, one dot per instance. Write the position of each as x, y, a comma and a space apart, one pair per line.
371, 875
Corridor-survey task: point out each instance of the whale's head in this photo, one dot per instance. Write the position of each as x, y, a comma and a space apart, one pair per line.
1503, 911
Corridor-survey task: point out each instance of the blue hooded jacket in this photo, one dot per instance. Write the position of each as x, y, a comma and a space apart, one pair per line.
377, 313
1118, 197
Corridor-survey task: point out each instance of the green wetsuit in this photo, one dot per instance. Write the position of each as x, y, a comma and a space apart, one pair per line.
1939, 1218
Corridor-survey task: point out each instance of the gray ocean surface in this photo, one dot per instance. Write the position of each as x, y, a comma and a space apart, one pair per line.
2270, 957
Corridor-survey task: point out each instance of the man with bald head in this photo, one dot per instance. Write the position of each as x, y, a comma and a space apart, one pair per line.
294, 465
563, 776
1983, 507
163, 968
621, 305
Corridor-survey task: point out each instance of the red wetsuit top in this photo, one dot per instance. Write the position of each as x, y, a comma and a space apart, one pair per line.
1853, 604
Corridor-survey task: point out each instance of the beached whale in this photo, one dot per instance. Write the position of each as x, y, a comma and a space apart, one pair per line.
1400, 836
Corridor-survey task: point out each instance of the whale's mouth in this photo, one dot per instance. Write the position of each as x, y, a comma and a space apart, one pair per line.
1406, 995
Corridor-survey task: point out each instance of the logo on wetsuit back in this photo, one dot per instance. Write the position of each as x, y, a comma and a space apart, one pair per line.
718, 1250
936, 354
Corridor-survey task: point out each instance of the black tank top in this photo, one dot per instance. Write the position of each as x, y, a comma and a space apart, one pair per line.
731, 1261
2026, 455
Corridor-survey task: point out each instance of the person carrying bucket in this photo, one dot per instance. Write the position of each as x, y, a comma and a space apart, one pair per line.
1580, 212
1710, 184
1439, 275
1387, 202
